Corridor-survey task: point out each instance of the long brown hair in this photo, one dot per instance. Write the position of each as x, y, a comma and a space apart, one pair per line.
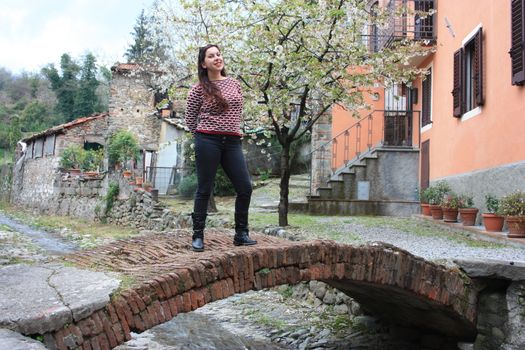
211, 91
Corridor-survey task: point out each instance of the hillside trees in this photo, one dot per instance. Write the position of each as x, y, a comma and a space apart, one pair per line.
76, 87
145, 49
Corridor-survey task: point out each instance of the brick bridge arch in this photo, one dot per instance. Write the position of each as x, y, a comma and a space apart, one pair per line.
170, 279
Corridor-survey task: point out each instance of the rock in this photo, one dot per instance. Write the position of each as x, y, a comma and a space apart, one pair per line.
319, 290
40, 299
342, 298
16, 341
329, 297
341, 309
512, 270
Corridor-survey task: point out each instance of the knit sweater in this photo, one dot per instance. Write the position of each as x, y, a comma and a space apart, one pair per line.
202, 114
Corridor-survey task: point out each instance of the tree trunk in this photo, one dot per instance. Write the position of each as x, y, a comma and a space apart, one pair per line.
212, 206
284, 185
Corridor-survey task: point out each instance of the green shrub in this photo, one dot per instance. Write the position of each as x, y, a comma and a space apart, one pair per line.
222, 186
76, 157
188, 186
492, 203
123, 147
436, 192
513, 204
111, 197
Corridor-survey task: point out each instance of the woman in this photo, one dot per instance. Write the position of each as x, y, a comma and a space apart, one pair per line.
213, 115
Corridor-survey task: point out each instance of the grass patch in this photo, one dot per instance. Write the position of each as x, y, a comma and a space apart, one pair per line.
286, 291
4, 227
126, 282
87, 231
423, 228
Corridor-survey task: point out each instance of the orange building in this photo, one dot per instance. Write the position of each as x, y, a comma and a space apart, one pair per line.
467, 118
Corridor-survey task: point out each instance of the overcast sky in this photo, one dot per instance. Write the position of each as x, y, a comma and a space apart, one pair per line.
36, 32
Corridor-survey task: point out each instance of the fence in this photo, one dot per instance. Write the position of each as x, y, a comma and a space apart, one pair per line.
165, 178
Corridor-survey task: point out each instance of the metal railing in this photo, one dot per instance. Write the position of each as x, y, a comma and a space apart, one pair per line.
405, 22
381, 128
165, 178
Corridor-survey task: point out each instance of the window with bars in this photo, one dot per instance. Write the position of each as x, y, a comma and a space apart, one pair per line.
468, 76
517, 49
426, 99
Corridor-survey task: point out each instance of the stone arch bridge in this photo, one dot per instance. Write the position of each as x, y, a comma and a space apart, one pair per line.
169, 279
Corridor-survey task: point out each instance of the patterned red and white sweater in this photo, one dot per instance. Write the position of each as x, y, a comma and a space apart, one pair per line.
202, 114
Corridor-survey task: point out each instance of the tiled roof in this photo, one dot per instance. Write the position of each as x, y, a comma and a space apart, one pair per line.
125, 67
131, 67
58, 128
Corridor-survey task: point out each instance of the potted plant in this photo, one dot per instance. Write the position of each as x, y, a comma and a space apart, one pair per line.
435, 195
147, 186
123, 147
492, 221
76, 159
423, 199
512, 206
467, 212
449, 206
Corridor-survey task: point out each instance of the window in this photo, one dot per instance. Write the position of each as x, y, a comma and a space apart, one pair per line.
468, 75
49, 145
517, 49
38, 148
426, 99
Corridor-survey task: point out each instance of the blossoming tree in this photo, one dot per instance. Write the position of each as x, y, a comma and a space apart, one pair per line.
294, 58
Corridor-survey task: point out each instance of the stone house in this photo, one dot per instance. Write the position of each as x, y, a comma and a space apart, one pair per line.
38, 182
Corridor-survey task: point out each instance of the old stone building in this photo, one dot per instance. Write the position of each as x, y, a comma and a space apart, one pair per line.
37, 182
40, 184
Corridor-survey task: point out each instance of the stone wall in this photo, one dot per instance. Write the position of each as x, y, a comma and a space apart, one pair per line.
321, 160
498, 181
6, 175
501, 317
131, 107
138, 209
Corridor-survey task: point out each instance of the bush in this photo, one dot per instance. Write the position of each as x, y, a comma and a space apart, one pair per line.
188, 186
492, 203
123, 147
223, 186
450, 201
75, 157
513, 204
436, 192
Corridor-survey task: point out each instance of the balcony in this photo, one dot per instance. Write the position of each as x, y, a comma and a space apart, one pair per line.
404, 22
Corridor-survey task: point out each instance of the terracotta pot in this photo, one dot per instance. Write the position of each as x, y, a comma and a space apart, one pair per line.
74, 171
139, 180
126, 173
437, 213
493, 222
450, 215
516, 226
425, 209
468, 216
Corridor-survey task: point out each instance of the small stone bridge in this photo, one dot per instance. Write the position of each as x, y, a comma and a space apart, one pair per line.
168, 278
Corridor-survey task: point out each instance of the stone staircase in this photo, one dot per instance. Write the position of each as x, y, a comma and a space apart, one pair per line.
381, 181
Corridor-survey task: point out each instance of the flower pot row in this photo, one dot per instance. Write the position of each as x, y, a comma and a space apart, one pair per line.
492, 222
467, 215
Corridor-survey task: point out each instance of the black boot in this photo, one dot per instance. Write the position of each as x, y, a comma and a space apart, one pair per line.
241, 231
197, 240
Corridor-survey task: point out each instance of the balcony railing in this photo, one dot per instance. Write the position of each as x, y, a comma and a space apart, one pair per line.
405, 22
381, 128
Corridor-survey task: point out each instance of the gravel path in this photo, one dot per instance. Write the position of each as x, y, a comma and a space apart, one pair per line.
446, 247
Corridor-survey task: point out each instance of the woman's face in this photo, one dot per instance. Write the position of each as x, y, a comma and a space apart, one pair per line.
213, 60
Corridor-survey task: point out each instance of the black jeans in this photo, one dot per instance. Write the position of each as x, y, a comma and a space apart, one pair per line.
226, 150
